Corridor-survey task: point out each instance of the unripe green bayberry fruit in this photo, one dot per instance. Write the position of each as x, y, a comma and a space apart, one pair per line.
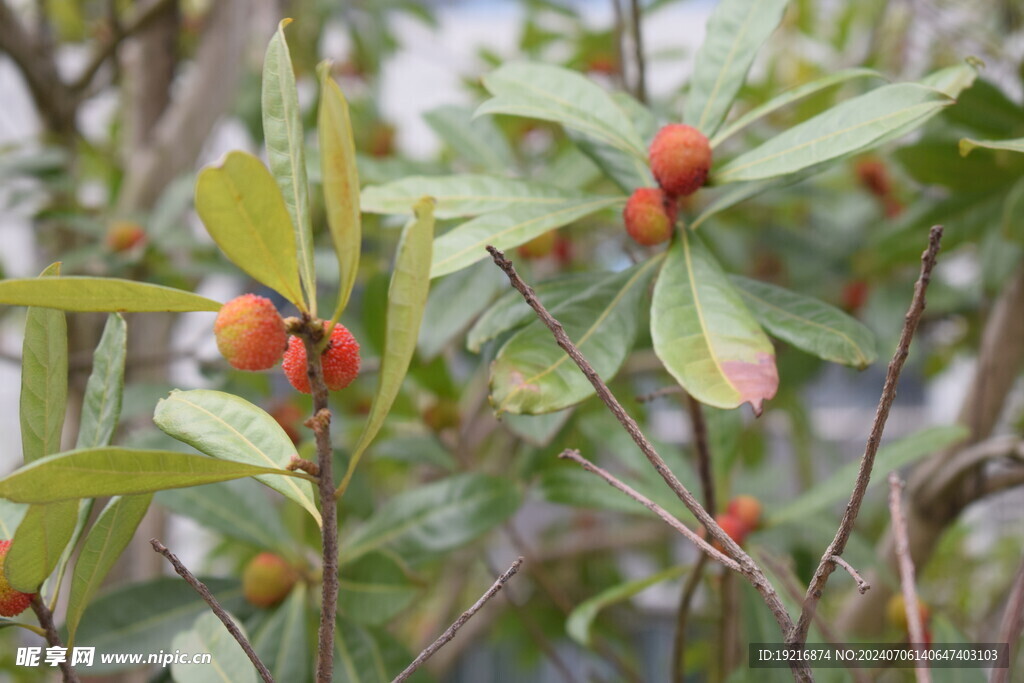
680, 157
12, 602
250, 333
268, 579
650, 216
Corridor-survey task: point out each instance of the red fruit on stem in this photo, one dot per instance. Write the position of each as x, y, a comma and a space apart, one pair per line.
340, 361
747, 509
250, 333
680, 157
268, 579
650, 216
733, 526
12, 602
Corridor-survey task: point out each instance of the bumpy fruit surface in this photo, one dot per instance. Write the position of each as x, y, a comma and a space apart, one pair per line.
650, 216
12, 602
747, 509
680, 158
340, 360
267, 580
250, 333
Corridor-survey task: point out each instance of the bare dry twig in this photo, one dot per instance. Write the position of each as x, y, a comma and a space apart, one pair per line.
827, 564
52, 637
747, 567
899, 530
1010, 626
862, 585
450, 632
208, 598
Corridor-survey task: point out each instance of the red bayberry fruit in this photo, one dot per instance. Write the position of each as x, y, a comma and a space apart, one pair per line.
340, 361
267, 580
732, 526
873, 175
650, 216
124, 235
250, 333
680, 158
539, 247
854, 295
747, 509
12, 602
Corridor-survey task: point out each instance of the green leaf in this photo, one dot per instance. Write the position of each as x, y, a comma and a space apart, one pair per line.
570, 485
463, 195
532, 374
936, 162
1012, 221
244, 212
44, 377
551, 93
107, 539
38, 543
101, 407
286, 150
891, 456
969, 144
854, 125
238, 509
580, 619
144, 617
435, 518
703, 333
407, 298
736, 31
790, 96
374, 588
208, 635
536, 430
454, 301
101, 294
808, 324
466, 244
112, 471
368, 655
511, 311
228, 427
282, 642
340, 182
11, 515
626, 169
953, 80
477, 140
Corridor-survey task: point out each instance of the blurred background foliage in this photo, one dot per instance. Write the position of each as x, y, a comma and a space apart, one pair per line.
79, 185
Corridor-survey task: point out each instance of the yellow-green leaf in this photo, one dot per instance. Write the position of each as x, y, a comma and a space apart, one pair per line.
340, 182
44, 377
101, 294
243, 210
38, 544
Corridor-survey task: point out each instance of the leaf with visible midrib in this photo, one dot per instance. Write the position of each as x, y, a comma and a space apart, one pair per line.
101, 406
242, 208
228, 427
103, 294
340, 183
407, 298
107, 539
850, 126
39, 543
736, 31
808, 324
286, 150
531, 374
282, 643
112, 471
44, 377
704, 334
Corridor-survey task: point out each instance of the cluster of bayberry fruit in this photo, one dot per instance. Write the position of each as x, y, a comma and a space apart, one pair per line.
680, 158
252, 335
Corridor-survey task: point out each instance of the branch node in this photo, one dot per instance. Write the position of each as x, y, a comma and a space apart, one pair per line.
862, 585
307, 466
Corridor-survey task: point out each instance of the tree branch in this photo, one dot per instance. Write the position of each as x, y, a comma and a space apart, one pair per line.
1010, 625
640, 86
52, 637
450, 632
827, 565
748, 567
208, 598
862, 585
899, 529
